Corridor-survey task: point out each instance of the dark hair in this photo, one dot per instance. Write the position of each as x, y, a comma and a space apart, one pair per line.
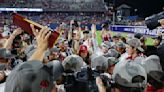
123, 39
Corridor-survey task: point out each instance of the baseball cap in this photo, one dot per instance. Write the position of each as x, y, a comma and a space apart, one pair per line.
99, 63
112, 53
49, 51
125, 75
55, 49
6, 53
111, 61
138, 35
106, 44
56, 68
151, 63
31, 76
135, 43
73, 63
83, 48
156, 78
120, 45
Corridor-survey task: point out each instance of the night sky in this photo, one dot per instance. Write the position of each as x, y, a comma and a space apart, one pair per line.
145, 7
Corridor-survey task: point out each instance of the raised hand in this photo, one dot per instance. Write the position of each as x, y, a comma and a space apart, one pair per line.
93, 30
17, 31
42, 37
162, 22
100, 85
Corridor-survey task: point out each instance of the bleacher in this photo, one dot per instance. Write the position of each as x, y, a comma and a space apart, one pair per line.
57, 5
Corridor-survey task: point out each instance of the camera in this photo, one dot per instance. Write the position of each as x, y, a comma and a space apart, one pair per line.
85, 81
152, 21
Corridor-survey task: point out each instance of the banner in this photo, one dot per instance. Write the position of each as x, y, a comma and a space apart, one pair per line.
136, 29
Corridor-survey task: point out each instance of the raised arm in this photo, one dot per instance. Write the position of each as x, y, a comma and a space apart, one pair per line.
9, 42
42, 37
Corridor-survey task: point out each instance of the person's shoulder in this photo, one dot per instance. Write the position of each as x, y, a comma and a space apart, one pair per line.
139, 58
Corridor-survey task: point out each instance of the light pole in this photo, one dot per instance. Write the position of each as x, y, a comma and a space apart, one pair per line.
114, 12
135, 10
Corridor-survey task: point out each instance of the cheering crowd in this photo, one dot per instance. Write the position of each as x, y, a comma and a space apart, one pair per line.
27, 64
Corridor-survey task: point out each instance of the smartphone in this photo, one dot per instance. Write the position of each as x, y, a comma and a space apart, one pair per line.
24, 23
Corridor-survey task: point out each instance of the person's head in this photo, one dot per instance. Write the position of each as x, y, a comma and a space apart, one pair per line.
156, 79
154, 71
116, 38
120, 47
5, 55
157, 40
105, 46
137, 79
138, 35
134, 46
131, 77
75, 24
105, 26
112, 53
53, 54
123, 39
73, 63
86, 34
75, 33
152, 63
99, 63
63, 45
83, 51
24, 79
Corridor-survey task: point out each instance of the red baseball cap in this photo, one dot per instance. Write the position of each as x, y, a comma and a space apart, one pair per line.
83, 49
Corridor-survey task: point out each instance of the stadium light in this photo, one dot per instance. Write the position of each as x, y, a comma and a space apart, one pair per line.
22, 9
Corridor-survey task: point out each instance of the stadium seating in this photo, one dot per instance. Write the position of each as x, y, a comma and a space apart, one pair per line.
56, 5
